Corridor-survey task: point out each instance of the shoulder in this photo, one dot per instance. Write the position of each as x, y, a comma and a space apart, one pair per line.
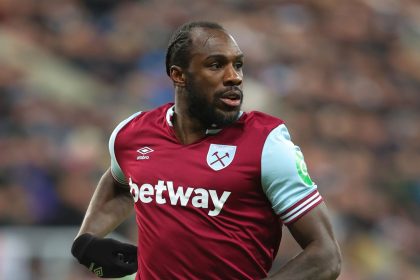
261, 121
141, 119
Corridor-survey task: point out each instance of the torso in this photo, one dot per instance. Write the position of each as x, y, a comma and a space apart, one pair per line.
200, 209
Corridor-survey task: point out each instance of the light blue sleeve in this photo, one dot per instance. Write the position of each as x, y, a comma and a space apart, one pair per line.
116, 171
284, 176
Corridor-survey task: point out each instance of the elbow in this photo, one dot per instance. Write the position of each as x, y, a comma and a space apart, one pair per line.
335, 263
335, 269
329, 262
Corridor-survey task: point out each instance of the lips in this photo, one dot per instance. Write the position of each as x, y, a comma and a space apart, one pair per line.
232, 98
231, 102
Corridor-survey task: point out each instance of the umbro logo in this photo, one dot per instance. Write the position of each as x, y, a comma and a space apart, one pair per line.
98, 271
143, 151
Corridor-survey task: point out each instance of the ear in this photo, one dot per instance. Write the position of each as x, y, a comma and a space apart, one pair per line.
177, 75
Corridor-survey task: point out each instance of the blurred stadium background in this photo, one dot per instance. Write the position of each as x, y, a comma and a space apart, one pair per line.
344, 75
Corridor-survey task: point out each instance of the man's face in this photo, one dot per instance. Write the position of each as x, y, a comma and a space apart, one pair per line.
214, 78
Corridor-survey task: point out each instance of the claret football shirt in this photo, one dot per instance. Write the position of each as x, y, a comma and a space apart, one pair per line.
212, 209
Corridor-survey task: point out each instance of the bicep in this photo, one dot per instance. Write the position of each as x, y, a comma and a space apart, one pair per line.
111, 203
108, 186
315, 226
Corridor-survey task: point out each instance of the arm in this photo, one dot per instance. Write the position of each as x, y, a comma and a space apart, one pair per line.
110, 205
106, 257
296, 200
320, 258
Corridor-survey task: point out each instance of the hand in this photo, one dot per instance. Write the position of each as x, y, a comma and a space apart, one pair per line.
106, 257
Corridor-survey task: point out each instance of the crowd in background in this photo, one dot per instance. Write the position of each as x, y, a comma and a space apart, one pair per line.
344, 75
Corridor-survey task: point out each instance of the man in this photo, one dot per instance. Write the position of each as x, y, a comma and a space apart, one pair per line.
211, 185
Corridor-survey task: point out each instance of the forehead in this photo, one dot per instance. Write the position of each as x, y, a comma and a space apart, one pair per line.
207, 42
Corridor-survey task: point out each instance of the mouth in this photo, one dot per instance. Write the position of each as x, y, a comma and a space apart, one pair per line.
232, 98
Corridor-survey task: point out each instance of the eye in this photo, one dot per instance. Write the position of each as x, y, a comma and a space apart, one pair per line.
215, 65
239, 65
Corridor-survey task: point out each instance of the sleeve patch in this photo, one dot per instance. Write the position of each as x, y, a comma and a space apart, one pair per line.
302, 169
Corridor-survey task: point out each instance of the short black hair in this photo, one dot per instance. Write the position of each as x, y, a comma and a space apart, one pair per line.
179, 45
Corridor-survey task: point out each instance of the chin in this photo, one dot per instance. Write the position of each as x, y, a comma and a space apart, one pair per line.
226, 118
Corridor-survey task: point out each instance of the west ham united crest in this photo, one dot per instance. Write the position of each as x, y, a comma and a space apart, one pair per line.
220, 156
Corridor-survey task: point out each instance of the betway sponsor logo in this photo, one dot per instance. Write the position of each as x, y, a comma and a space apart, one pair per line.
199, 197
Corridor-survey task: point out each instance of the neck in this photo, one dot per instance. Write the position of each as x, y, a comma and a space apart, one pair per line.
187, 129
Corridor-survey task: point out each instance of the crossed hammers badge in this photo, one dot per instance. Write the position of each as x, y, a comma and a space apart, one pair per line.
220, 156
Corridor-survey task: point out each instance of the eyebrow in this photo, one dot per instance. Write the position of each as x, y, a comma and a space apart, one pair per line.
222, 56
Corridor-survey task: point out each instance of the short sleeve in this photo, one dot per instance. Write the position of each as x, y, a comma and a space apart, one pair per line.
285, 179
116, 170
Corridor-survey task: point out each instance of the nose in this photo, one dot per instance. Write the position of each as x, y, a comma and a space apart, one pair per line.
232, 77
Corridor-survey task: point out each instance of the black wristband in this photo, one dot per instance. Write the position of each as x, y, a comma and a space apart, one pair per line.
80, 245
105, 257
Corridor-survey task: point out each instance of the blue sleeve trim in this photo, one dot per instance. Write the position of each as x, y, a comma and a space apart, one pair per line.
284, 176
116, 171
